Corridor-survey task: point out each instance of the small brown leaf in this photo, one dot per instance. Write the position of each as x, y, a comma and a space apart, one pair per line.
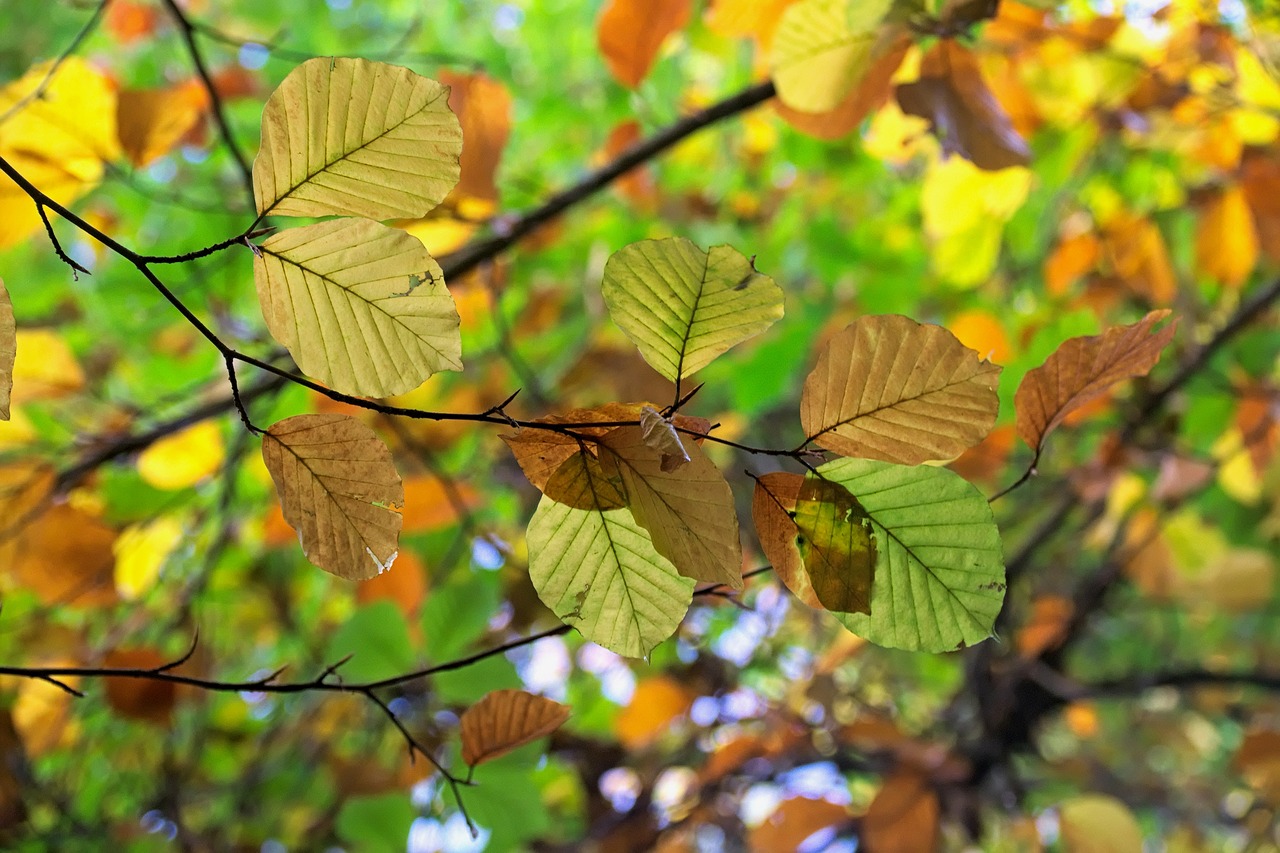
630, 33
339, 489
8, 350
903, 817
1083, 369
837, 545
794, 820
137, 698
689, 512
505, 720
661, 435
893, 389
966, 117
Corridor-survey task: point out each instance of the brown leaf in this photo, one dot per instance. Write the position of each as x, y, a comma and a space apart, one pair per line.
965, 116
772, 506
65, 556
660, 435
869, 95
1046, 626
25, 487
893, 389
8, 350
630, 33
1083, 369
339, 489
903, 817
582, 483
793, 821
152, 121
837, 545
540, 452
139, 698
689, 512
14, 770
483, 108
505, 720
1260, 177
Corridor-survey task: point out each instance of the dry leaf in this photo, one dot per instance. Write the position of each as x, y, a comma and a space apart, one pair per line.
65, 556
793, 821
630, 33
8, 350
772, 505
541, 452
904, 816
429, 506
660, 435
689, 512
405, 586
1046, 626
483, 108
654, 704
965, 116
1083, 369
137, 698
893, 389
152, 121
504, 720
339, 489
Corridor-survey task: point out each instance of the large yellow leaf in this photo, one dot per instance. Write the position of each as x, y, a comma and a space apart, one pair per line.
1083, 369
339, 489
45, 368
360, 306
682, 306
631, 32
8, 350
597, 569
504, 720
184, 458
822, 48
688, 511
350, 136
890, 388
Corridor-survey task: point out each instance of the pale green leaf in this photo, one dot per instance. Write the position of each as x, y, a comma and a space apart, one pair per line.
939, 563
890, 388
8, 350
339, 489
837, 544
822, 49
682, 306
599, 572
361, 307
350, 136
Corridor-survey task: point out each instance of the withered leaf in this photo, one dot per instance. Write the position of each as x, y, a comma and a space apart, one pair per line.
504, 720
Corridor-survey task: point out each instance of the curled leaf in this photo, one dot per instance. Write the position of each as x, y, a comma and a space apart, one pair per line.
660, 435
504, 720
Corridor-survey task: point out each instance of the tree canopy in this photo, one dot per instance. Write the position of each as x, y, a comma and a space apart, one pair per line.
641, 424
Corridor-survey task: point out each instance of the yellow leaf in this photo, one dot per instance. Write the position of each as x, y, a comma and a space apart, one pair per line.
1097, 823
45, 368
141, 551
153, 121
1237, 474
893, 389
836, 541
184, 458
1226, 239
822, 48
361, 306
742, 18
504, 720
440, 234
980, 331
350, 136
965, 209
339, 489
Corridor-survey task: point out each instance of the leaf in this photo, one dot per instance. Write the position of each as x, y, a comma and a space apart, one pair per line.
339, 489
184, 458
962, 112
660, 435
406, 587
939, 572
630, 33
565, 485
141, 551
140, 699
1083, 369
837, 545
599, 572
822, 49
654, 705
688, 511
866, 97
682, 306
65, 557
362, 307
904, 816
1227, 245
505, 720
152, 121
44, 367
1098, 823
483, 108
350, 136
794, 821
8, 350
890, 388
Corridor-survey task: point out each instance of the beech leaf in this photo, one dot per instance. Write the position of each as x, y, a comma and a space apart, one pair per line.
822, 49
964, 115
889, 388
660, 435
1083, 369
631, 32
689, 511
505, 720
355, 137
339, 490
597, 569
837, 544
8, 350
682, 306
939, 565
360, 306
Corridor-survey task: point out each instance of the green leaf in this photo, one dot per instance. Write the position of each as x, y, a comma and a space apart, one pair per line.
361, 307
682, 306
456, 614
377, 638
837, 545
822, 49
599, 571
379, 822
939, 568
350, 136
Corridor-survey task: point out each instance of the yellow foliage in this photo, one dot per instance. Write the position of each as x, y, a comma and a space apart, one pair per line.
45, 367
184, 458
965, 209
1226, 240
141, 551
